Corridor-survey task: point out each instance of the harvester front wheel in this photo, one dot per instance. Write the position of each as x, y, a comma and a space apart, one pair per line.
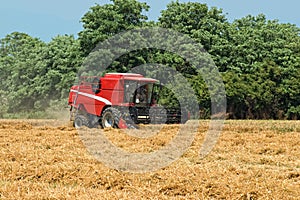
110, 118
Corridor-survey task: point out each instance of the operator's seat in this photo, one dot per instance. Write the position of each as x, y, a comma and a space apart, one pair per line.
96, 85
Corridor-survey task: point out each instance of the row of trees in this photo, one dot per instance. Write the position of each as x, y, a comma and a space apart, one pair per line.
259, 59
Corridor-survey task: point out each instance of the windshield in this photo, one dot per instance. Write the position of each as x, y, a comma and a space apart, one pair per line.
130, 87
138, 92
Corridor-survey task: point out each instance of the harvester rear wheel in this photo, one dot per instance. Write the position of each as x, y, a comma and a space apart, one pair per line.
80, 121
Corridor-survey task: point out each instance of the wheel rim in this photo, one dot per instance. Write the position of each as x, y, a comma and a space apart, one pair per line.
78, 123
108, 120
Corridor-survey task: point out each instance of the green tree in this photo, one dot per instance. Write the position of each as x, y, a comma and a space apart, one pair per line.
59, 63
207, 26
104, 21
265, 57
34, 73
19, 57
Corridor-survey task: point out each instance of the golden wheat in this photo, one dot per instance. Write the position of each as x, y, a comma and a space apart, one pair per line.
45, 159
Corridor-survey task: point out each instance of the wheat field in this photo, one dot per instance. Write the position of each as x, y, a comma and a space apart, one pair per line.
46, 159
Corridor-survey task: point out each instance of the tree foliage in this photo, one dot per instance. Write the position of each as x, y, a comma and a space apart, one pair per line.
33, 73
104, 21
259, 59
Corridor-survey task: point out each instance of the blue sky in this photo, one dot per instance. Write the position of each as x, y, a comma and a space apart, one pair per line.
47, 19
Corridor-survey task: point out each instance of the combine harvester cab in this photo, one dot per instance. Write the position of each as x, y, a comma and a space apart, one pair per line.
118, 100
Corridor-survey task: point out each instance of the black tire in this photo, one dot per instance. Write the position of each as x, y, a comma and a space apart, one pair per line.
110, 118
80, 121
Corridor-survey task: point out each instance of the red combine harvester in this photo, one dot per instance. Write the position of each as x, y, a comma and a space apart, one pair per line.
119, 100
